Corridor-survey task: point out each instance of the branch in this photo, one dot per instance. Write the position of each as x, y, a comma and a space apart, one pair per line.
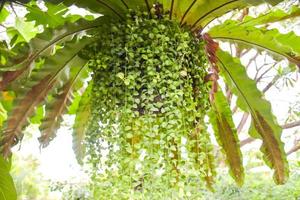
269, 85
235, 108
244, 14
228, 94
246, 141
242, 122
284, 126
245, 116
266, 71
294, 149
13, 9
291, 125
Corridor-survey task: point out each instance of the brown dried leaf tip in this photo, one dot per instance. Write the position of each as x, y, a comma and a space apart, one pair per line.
211, 48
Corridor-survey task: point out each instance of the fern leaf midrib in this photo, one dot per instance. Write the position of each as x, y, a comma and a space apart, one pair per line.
211, 11
171, 9
147, 6
186, 12
260, 46
227, 145
110, 7
65, 98
266, 14
253, 113
31, 106
125, 4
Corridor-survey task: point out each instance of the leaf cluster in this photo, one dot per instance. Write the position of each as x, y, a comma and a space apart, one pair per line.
148, 95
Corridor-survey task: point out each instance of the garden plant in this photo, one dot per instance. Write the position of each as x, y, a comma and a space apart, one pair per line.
145, 80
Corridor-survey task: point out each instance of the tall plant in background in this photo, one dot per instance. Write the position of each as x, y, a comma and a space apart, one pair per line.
155, 70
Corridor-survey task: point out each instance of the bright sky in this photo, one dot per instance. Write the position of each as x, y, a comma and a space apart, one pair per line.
57, 161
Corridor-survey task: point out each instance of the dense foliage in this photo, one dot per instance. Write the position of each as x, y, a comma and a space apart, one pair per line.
141, 84
258, 186
148, 95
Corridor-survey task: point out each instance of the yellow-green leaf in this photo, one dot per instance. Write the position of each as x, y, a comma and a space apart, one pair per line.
55, 71
285, 45
226, 135
264, 122
7, 187
272, 16
81, 121
59, 104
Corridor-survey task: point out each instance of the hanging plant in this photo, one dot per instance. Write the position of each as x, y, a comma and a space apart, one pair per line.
148, 83
155, 74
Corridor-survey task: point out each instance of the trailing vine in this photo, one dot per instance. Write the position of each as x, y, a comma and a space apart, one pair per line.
149, 95
142, 117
